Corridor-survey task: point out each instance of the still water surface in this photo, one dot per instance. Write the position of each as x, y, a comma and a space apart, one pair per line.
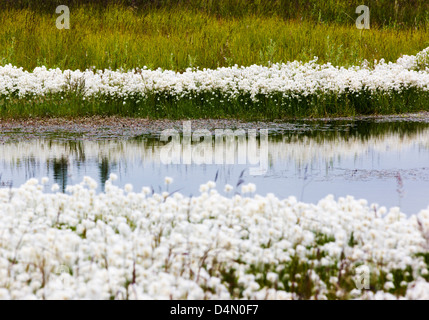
384, 163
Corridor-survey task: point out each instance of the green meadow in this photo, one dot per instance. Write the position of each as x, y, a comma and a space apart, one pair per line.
176, 35
121, 37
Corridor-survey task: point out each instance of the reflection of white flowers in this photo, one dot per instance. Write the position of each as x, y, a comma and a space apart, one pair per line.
168, 180
289, 151
293, 80
163, 242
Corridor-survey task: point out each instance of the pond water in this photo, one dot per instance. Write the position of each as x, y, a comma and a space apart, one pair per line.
385, 163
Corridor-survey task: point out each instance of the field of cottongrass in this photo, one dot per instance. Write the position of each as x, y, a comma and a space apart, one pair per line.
281, 90
125, 244
209, 59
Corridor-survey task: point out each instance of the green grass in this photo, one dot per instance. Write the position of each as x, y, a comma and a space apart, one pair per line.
384, 13
204, 34
213, 106
177, 39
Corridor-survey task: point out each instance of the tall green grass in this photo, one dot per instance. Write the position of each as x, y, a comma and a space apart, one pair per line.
214, 106
385, 13
120, 37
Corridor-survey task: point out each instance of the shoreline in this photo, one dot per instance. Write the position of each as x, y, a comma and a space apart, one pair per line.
96, 127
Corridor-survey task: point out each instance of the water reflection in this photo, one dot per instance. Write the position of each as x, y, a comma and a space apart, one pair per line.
60, 171
385, 163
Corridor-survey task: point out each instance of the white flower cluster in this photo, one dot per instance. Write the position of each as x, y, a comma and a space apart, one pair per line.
418, 62
292, 80
143, 245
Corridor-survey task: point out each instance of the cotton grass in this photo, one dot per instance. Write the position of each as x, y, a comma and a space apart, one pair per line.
126, 245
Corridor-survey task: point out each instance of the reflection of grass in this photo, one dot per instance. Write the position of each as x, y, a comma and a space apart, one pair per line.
362, 130
8, 183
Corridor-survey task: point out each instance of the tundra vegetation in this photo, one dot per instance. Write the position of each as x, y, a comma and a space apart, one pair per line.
177, 36
212, 59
